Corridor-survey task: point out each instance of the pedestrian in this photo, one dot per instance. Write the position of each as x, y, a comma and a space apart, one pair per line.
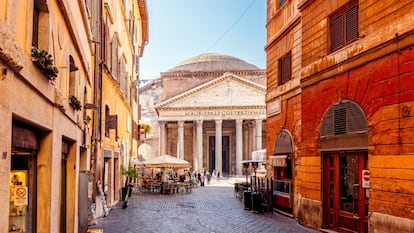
218, 175
202, 179
199, 177
208, 174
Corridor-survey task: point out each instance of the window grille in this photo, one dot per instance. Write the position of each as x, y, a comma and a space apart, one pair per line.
343, 118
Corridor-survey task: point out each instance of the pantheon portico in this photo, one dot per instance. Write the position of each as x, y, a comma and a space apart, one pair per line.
209, 110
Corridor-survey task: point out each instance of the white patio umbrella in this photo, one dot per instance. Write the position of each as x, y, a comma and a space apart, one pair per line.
166, 161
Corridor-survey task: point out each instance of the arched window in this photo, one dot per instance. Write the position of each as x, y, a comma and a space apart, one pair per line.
342, 118
344, 127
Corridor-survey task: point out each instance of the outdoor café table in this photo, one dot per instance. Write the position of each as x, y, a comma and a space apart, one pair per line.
183, 187
167, 187
155, 187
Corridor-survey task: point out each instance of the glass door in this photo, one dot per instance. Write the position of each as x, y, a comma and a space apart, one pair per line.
344, 199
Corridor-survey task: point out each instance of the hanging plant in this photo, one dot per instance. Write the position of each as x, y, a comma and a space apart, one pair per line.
75, 103
44, 61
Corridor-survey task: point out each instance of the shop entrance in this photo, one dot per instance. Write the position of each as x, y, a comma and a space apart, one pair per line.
22, 206
345, 200
22, 192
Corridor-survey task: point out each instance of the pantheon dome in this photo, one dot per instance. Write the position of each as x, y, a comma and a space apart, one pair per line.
211, 62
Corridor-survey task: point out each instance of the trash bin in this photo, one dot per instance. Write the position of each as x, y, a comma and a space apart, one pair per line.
256, 202
247, 199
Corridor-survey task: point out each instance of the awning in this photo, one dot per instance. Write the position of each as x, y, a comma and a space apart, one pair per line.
259, 155
278, 160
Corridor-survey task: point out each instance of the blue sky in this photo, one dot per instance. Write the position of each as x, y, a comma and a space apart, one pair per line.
180, 29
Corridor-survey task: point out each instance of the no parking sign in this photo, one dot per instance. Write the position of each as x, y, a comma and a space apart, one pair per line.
366, 184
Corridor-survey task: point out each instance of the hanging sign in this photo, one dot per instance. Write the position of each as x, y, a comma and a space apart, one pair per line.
366, 179
20, 196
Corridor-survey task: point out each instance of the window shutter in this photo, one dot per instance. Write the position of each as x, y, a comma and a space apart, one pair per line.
114, 62
287, 68
352, 24
281, 3
105, 41
340, 121
337, 33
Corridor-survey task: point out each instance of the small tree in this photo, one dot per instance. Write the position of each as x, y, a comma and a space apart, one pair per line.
130, 174
145, 129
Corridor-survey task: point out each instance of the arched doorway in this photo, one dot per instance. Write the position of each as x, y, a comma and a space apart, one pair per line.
344, 144
281, 162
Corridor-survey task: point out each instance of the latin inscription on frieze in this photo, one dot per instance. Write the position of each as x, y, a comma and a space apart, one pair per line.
226, 113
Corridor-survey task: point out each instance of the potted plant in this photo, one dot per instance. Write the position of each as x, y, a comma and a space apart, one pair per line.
44, 61
145, 129
75, 103
130, 173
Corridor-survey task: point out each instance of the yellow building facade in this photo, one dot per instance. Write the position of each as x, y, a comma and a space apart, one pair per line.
47, 77
124, 34
54, 89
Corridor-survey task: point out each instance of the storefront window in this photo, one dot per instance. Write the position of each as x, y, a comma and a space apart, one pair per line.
19, 195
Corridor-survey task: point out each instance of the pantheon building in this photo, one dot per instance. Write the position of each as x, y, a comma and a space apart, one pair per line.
209, 110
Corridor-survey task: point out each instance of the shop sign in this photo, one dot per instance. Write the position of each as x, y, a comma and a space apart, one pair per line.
20, 196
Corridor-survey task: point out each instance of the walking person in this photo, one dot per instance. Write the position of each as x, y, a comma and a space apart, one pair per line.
208, 175
199, 177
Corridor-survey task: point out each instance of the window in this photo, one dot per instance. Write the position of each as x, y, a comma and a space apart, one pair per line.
88, 4
285, 68
280, 3
40, 27
114, 53
72, 77
106, 122
106, 49
344, 26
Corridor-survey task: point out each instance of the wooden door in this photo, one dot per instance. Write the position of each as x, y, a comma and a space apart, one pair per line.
344, 200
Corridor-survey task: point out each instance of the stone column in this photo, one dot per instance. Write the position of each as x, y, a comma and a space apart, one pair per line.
219, 147
239, 146
258, 134
246, 140
180, 148
199, 146
162, 138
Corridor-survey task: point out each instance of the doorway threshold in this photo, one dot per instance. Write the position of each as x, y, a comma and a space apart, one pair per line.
284, 213
328, 231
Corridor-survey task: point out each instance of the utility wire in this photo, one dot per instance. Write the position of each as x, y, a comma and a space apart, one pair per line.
231, 26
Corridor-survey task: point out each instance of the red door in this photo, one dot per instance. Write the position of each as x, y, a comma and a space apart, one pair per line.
344, 200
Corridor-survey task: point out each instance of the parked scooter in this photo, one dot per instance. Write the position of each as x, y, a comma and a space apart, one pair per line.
127, 194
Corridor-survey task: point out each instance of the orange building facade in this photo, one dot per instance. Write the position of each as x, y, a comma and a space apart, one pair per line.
340, 76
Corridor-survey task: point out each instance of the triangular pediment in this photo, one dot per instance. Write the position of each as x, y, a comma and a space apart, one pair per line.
228, 90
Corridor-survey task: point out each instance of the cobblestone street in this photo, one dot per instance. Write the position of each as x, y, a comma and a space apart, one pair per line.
212, 209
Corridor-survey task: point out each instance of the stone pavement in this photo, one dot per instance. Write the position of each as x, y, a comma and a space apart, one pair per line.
209, 209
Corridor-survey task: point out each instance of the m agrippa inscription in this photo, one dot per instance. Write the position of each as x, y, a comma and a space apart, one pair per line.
222, 113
